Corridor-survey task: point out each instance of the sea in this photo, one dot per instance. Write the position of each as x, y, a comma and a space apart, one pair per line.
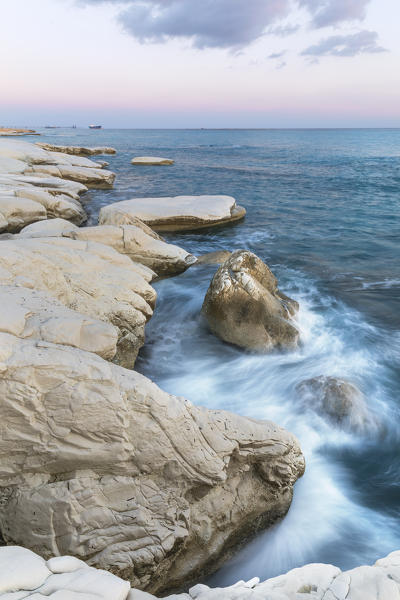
323, 211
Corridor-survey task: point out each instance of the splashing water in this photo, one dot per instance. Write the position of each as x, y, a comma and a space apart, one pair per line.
323, 210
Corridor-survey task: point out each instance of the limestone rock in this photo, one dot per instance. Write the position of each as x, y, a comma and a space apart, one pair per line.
173, 214
338, 399
90, 278
48, 228
98, 462
61, 178
151, 160
91, 177
6, 131
76, 150
314, 581
243, 305
31, 314
138, 241
162, 258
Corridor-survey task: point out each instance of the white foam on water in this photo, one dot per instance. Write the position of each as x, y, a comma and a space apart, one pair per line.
326, 518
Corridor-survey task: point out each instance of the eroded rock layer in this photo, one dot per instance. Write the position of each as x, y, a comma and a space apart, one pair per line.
66, 577
98, 462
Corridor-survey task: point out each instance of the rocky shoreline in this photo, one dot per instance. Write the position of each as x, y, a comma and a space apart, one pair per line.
27, 575
97, 462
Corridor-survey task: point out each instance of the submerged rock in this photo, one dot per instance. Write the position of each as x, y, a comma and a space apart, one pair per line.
173, 214
337, 399
214, 258
243, 305
23, 570
99, 463
151, 160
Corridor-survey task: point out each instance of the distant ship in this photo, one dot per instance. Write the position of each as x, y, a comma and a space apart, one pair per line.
95, 126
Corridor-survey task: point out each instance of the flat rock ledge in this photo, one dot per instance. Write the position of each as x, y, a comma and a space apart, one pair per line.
36, 184
9, 131
90, 278
151, 161
77, 150
24, 574
138, 241
99, 463
174, 214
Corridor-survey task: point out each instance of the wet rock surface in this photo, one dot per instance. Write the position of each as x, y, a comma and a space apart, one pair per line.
243, 306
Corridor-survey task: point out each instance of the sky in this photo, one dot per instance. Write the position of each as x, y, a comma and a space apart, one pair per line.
200, 63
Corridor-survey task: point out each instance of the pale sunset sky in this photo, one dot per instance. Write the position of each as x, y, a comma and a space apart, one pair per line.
200, 63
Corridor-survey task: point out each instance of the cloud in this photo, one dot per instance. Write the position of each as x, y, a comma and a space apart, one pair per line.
232, 24
283, 30
332, 12
207, 23
363, 42
277, 54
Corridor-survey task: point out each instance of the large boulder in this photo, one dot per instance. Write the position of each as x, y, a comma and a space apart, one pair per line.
91, 278
338, 400
137, 241
173, 214
98, 462
243, 305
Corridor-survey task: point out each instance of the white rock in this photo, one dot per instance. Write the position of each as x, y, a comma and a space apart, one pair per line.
21, 569
99, 463
90, 278
48, 228
32, 314
151, 160
173, 214
65, 564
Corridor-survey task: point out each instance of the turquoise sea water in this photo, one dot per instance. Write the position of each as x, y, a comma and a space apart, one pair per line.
323, 210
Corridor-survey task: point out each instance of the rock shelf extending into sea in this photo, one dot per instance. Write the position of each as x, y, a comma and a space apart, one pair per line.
25, 575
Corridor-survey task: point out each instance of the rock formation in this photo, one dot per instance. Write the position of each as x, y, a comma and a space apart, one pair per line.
173, 214
76, 150
137, 241
339, 400
151, 161
30, 314
243, 305
90, 278
99, 463
36, 184
69, 578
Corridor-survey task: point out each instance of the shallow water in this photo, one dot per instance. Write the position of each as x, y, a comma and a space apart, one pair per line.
323, 211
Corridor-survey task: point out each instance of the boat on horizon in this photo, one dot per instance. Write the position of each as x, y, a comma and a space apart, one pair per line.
95, 126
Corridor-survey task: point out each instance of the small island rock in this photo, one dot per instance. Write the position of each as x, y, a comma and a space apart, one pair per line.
243, 305
151, 161
173, 214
